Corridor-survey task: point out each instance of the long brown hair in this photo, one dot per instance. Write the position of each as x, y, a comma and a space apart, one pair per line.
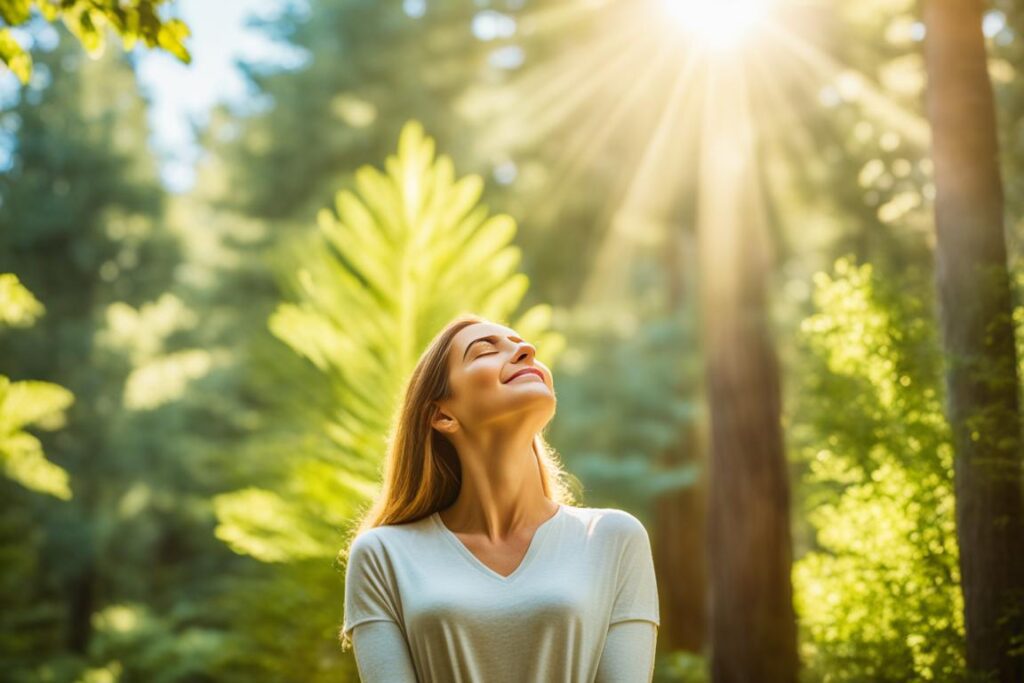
422, 473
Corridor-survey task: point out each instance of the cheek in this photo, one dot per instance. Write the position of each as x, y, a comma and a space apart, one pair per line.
482, 375
477, 378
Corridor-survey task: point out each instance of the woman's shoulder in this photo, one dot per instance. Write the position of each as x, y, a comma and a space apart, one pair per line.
608, 521
378, 538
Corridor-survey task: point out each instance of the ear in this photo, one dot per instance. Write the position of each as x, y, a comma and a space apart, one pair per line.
443, 422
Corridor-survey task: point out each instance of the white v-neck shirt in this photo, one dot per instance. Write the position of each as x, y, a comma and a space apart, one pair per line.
585, 569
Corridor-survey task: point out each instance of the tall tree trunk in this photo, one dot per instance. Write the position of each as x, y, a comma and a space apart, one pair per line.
975, 304
679, 543
753, 623
679, 553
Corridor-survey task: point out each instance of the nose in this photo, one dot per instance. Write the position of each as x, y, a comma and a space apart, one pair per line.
524, 349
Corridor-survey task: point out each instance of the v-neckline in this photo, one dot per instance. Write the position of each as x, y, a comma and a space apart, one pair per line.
531, 550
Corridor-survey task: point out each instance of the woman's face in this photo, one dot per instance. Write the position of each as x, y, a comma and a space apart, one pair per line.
483, 364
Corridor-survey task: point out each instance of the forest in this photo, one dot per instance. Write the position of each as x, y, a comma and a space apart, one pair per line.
769, 249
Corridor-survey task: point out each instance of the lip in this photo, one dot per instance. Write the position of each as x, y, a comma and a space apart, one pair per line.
525, 371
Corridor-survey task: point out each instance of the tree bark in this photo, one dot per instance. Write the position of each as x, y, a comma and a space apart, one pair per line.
753, 622
975, 304
679, 544
679, 553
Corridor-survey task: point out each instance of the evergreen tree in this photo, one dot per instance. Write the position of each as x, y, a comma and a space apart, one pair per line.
80, 222
401, 253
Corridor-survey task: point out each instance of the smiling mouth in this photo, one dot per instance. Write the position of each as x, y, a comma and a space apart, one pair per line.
521, 373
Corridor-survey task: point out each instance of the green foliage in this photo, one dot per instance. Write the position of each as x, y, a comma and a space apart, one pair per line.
81, 224
334, 113
26, 403
132, 637
86, 19
879, 598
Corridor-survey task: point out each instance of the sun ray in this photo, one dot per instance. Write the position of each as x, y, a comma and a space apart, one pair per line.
610, 263
731, 215
545, 81
589, 138
906, 122
565, 15
789, 121
646, 191
554, 91
607, 90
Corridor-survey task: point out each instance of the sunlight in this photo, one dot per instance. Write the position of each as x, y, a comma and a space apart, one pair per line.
721, 24
689, 99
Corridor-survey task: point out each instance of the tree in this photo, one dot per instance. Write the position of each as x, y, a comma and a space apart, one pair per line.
88, 20
976, 313
753, 622
80, 221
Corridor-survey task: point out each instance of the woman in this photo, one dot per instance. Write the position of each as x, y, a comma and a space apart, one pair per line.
472, 566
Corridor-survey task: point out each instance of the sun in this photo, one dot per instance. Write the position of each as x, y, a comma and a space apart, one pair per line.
718, 24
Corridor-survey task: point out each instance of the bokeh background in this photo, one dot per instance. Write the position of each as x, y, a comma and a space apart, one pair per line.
740, 233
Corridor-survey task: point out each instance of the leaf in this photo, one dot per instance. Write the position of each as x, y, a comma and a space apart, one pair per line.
31, 402
172, 37
23, 461
82, 23
18, 307
128, 26
17, 59
48, 8
14, 12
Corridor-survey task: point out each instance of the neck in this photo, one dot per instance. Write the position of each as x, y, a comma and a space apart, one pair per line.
502, 491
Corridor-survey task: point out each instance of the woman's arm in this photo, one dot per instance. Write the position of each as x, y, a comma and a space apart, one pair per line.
382, 654
628, 655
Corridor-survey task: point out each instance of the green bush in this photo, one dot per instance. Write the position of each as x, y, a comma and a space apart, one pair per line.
878, 598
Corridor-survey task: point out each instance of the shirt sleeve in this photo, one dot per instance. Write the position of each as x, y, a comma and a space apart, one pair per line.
628, 655
369, 594
636, 594
382, 653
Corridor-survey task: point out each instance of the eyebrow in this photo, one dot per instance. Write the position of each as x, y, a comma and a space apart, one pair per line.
490, 338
